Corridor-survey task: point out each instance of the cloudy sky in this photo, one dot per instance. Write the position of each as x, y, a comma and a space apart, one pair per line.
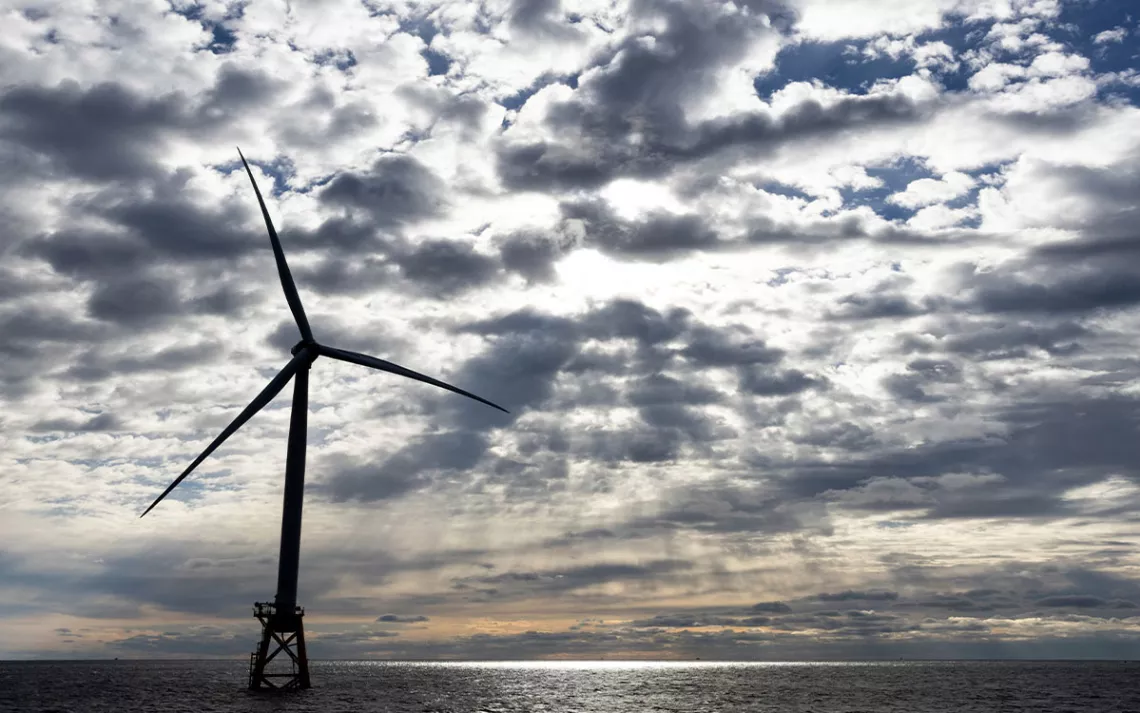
816, 320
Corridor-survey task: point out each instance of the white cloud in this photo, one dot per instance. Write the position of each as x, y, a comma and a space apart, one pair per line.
1055, 64
994, 77
712, 326
926, 191
937, 217
1115, 35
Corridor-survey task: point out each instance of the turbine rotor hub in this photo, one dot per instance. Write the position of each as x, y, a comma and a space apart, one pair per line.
305, 345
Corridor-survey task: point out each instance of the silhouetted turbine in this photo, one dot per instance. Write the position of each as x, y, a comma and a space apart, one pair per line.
305, 352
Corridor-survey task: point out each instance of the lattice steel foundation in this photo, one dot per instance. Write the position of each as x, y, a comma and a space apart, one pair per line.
280, 632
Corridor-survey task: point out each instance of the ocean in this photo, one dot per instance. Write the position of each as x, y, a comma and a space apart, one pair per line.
578, 687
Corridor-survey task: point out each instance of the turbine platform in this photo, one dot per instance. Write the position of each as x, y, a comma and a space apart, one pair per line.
280, 632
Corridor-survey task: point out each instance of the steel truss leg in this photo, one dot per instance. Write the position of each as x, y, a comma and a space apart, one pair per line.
279, 633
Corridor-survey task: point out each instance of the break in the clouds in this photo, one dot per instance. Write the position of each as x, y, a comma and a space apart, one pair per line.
815, 318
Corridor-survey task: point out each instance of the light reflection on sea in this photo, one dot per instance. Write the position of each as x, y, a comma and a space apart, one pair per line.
579, 687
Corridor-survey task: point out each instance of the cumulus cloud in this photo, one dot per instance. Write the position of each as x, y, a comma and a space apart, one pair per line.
788, 299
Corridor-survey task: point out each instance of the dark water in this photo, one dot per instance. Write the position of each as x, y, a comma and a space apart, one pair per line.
913, 687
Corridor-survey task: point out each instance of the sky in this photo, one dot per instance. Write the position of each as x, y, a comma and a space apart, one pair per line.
815, 318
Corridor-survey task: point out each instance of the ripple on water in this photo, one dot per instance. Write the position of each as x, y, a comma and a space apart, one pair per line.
578, 687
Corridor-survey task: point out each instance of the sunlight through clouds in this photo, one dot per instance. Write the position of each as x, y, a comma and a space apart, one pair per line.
814, 319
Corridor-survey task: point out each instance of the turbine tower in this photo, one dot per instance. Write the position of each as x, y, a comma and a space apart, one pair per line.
281, 619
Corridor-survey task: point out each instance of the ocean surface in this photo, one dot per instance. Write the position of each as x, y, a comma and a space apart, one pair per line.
581, 687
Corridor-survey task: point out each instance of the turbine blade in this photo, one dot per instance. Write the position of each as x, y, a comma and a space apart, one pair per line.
287, 283
272, 389
382, 365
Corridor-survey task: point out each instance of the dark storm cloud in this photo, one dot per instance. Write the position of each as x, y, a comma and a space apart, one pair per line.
529, 352
717, 348
38, 338
87, 253
1021, 591
920, 376
34, 323
662, 390
397, 189
369, 258
856, 595
766, 382
124, 586
657, 237
1016, 340
1079, 601
532, 255
520, 367
446, 267
1056, 287
1107, 226
776, 607
807, 120
129, 263
96, 424
596, 535
636, 445
999, 338
517, 371
1092, 271
969, 641
235, 92
1048, 448
667, 374
878, 305
348, 276
542, 19
639, 85
366, 260
608, 153
198, 641
146, 301
171, 226
944, 638
727, 507
401, 618
660, 236
359, 237
848, 227
683, 621
104, 133
958, 603
97, 365
844, 435
401, 471
510, 585
133, 302
528, 14
628, 118
140, 218
1015, 590
690, 423
355, 637
110, 133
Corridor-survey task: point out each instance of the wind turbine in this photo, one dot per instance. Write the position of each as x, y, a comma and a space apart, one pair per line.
281, 619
